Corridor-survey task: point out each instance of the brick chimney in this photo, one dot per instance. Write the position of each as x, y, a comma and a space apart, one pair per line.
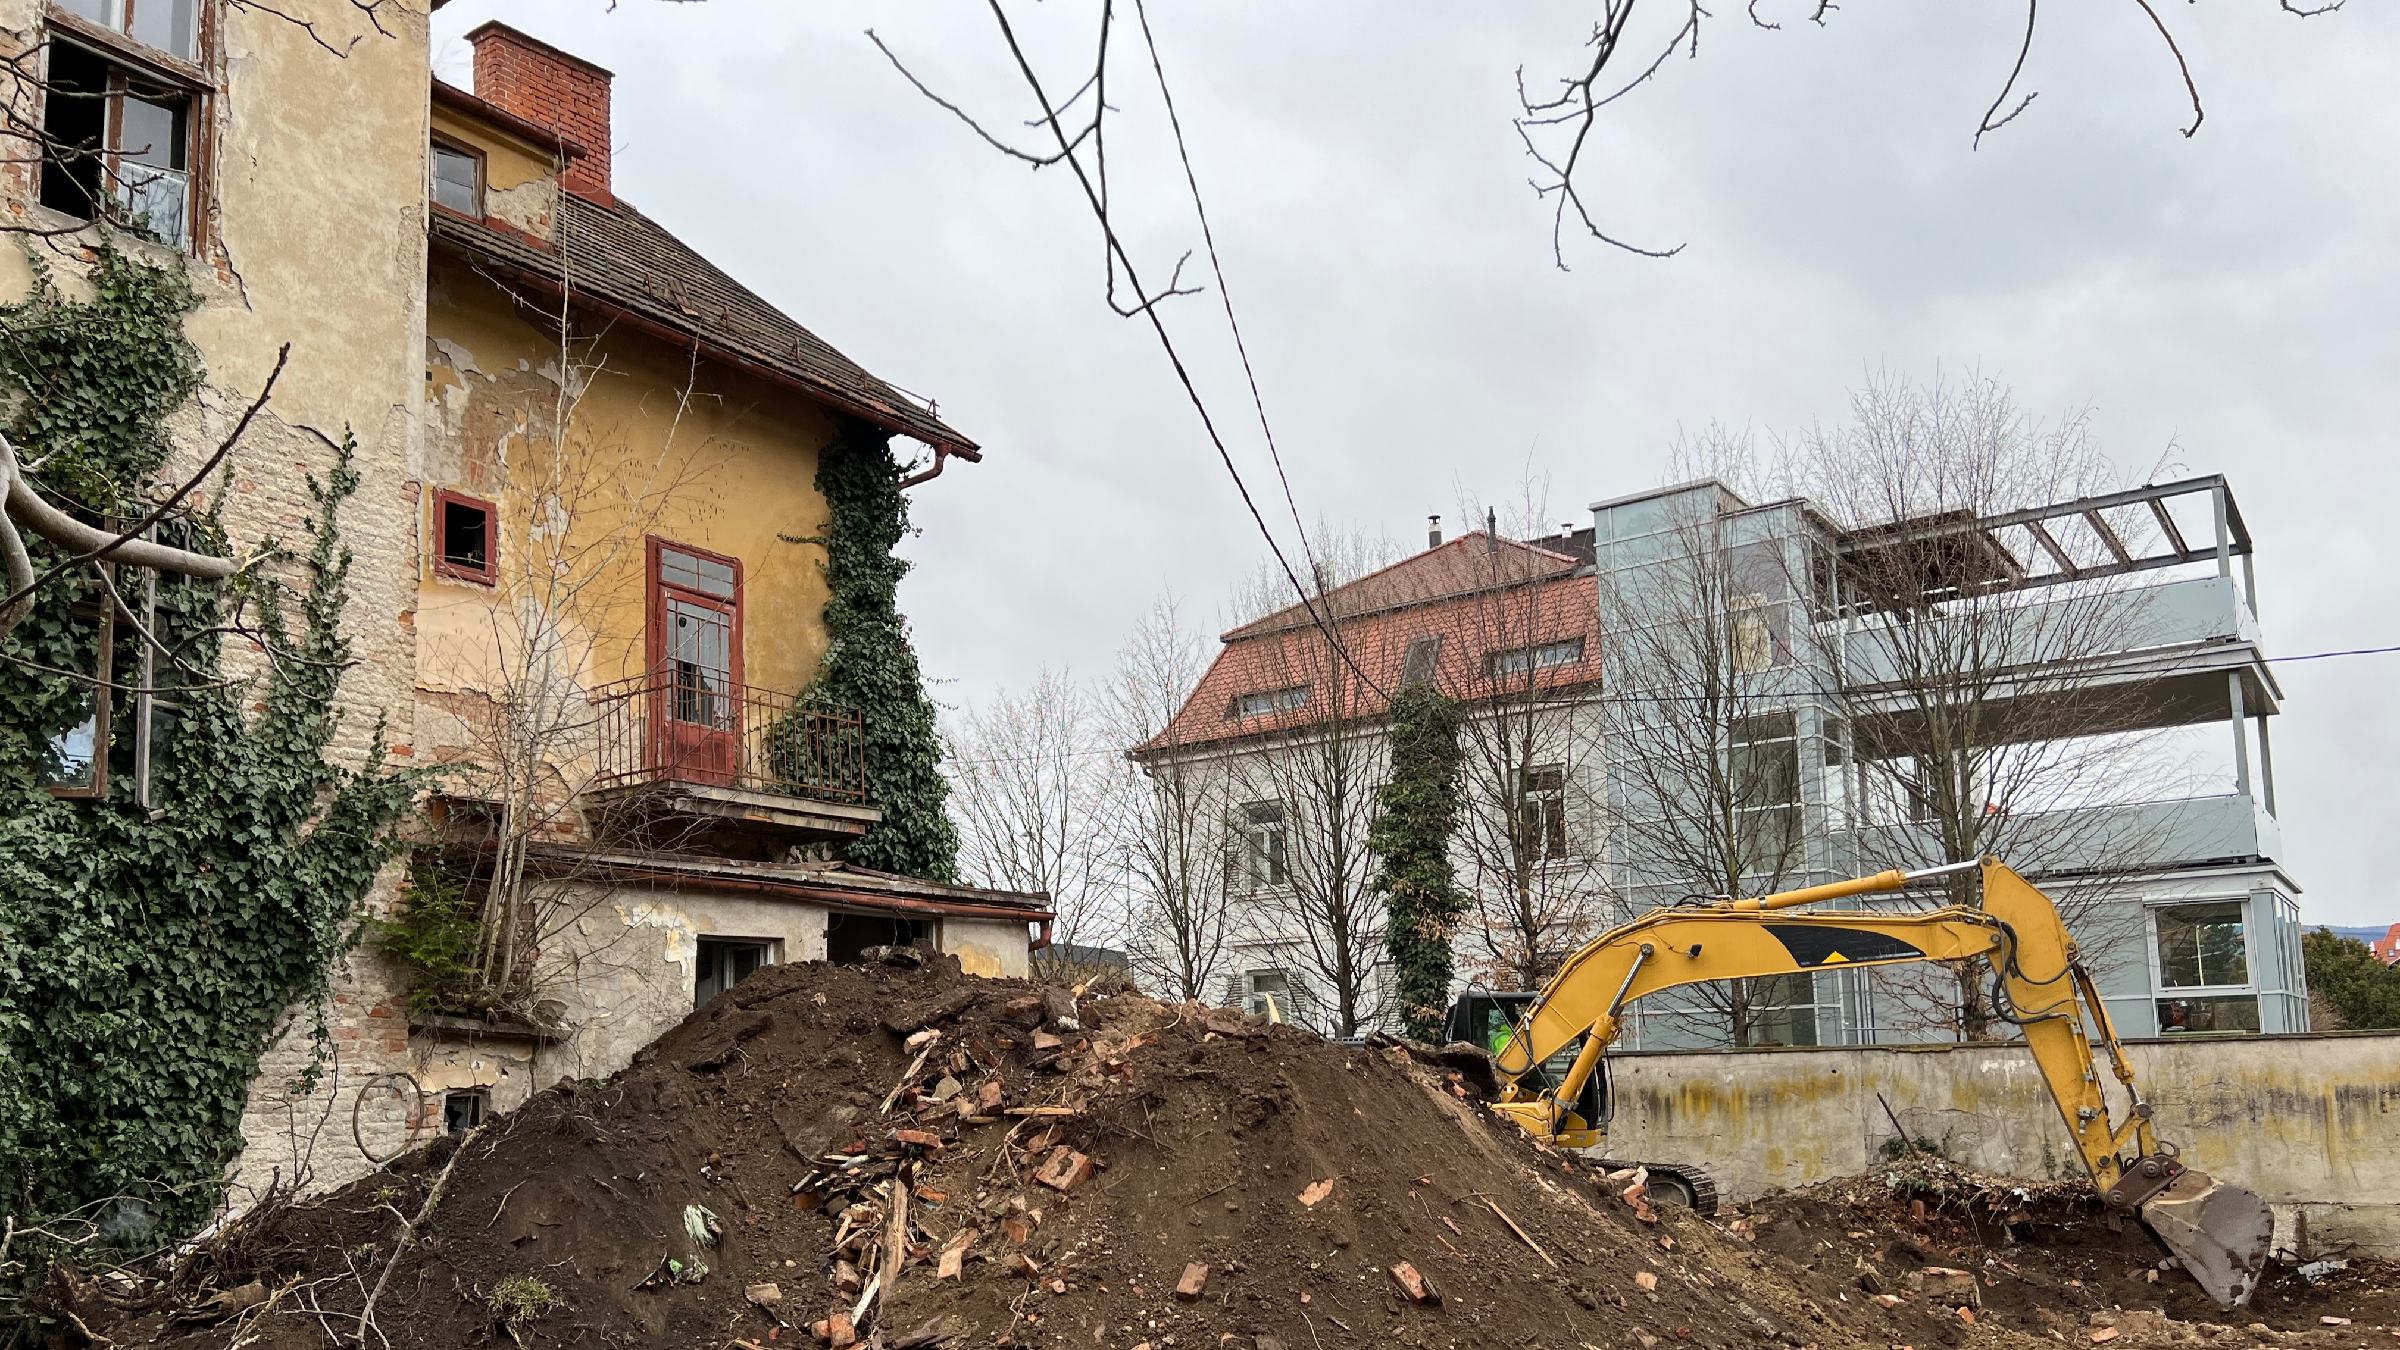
529, 78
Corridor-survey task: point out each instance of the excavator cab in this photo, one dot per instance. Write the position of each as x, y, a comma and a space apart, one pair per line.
1486, 1018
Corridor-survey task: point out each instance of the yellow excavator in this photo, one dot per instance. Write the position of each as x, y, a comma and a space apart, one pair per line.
2219, 1233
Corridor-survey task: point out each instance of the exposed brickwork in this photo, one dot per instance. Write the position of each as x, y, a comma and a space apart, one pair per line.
549, 88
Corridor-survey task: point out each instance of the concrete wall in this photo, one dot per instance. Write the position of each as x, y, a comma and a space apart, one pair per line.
2310, 1122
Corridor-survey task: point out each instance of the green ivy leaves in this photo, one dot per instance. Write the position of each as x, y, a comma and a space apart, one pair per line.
149, 954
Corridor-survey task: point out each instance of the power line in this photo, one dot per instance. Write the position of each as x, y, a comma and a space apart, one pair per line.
1147, 307
2326, 656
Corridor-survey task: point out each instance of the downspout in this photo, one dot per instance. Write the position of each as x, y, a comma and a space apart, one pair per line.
1041, 941
941, 458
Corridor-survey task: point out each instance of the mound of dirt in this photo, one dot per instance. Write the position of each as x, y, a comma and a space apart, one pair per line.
2045, 1258
909, 1158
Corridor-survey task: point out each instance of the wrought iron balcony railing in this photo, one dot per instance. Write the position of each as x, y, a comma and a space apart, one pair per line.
693, 727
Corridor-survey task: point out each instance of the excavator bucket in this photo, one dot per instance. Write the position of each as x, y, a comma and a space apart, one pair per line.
2219, 1232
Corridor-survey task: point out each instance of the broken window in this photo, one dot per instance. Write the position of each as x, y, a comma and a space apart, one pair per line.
76, 759
725, 962
463, 546
457, 178
119, 130
463, 1109
1544, 823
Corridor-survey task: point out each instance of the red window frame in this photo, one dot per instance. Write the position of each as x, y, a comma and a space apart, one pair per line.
489, 573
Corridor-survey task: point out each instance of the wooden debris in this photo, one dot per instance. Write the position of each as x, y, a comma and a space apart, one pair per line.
909, 1077
954, 1254
1045, 1112
1414, 1286
1194, 1281
1522, 1235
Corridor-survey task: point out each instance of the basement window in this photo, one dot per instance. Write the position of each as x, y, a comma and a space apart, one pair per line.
457, 178
464, 1109
462, 538
726, 962
119, 136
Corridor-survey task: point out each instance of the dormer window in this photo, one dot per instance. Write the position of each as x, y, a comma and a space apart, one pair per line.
1268, 702
458, 178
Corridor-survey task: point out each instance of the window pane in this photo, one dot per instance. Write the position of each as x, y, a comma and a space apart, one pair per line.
98, 11
167, 25
454, 181
2202, 945
2223, 1013
75, 752
695, 573
151, 132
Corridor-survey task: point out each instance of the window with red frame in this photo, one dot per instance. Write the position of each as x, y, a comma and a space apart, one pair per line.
464, 545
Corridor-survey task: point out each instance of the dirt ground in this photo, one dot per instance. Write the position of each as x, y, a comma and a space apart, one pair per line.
1062, 1169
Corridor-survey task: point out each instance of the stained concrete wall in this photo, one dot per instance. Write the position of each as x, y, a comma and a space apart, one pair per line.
2310, 1122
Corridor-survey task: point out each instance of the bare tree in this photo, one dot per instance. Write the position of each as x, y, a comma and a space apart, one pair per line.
1704, 790
1556, 120
1528, 842
1302, 799
1037, 796
1981, 712
1170, 839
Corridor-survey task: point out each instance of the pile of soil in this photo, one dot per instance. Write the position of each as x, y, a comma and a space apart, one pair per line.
1095, 1172
2045, 1258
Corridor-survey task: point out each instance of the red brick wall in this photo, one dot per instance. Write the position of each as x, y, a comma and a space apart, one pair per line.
549, 88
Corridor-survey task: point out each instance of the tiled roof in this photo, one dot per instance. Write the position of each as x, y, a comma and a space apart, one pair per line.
1469, 563
1559, 603
617, 256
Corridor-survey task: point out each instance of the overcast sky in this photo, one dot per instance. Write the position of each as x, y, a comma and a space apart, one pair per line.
2233, 295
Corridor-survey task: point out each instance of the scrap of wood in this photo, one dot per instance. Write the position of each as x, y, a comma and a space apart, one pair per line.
1522, 1235
1045, 1112
915, 1067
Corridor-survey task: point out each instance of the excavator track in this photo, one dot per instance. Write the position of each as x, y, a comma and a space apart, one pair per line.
1695, 1183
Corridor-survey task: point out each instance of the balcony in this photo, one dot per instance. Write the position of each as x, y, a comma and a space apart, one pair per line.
690, 760
2228, 828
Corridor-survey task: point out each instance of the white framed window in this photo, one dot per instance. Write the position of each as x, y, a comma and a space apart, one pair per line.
1264, 988
1267, 702
725, 962
1259, 858
1540, 656
2200, 952
1542, 826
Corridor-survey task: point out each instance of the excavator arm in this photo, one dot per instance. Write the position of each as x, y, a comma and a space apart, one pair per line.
2219, 1232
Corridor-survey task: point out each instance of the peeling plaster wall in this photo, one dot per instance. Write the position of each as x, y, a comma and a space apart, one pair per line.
2310, 1122
520, 180
989, 947
622, 971
655, 444
315, 235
